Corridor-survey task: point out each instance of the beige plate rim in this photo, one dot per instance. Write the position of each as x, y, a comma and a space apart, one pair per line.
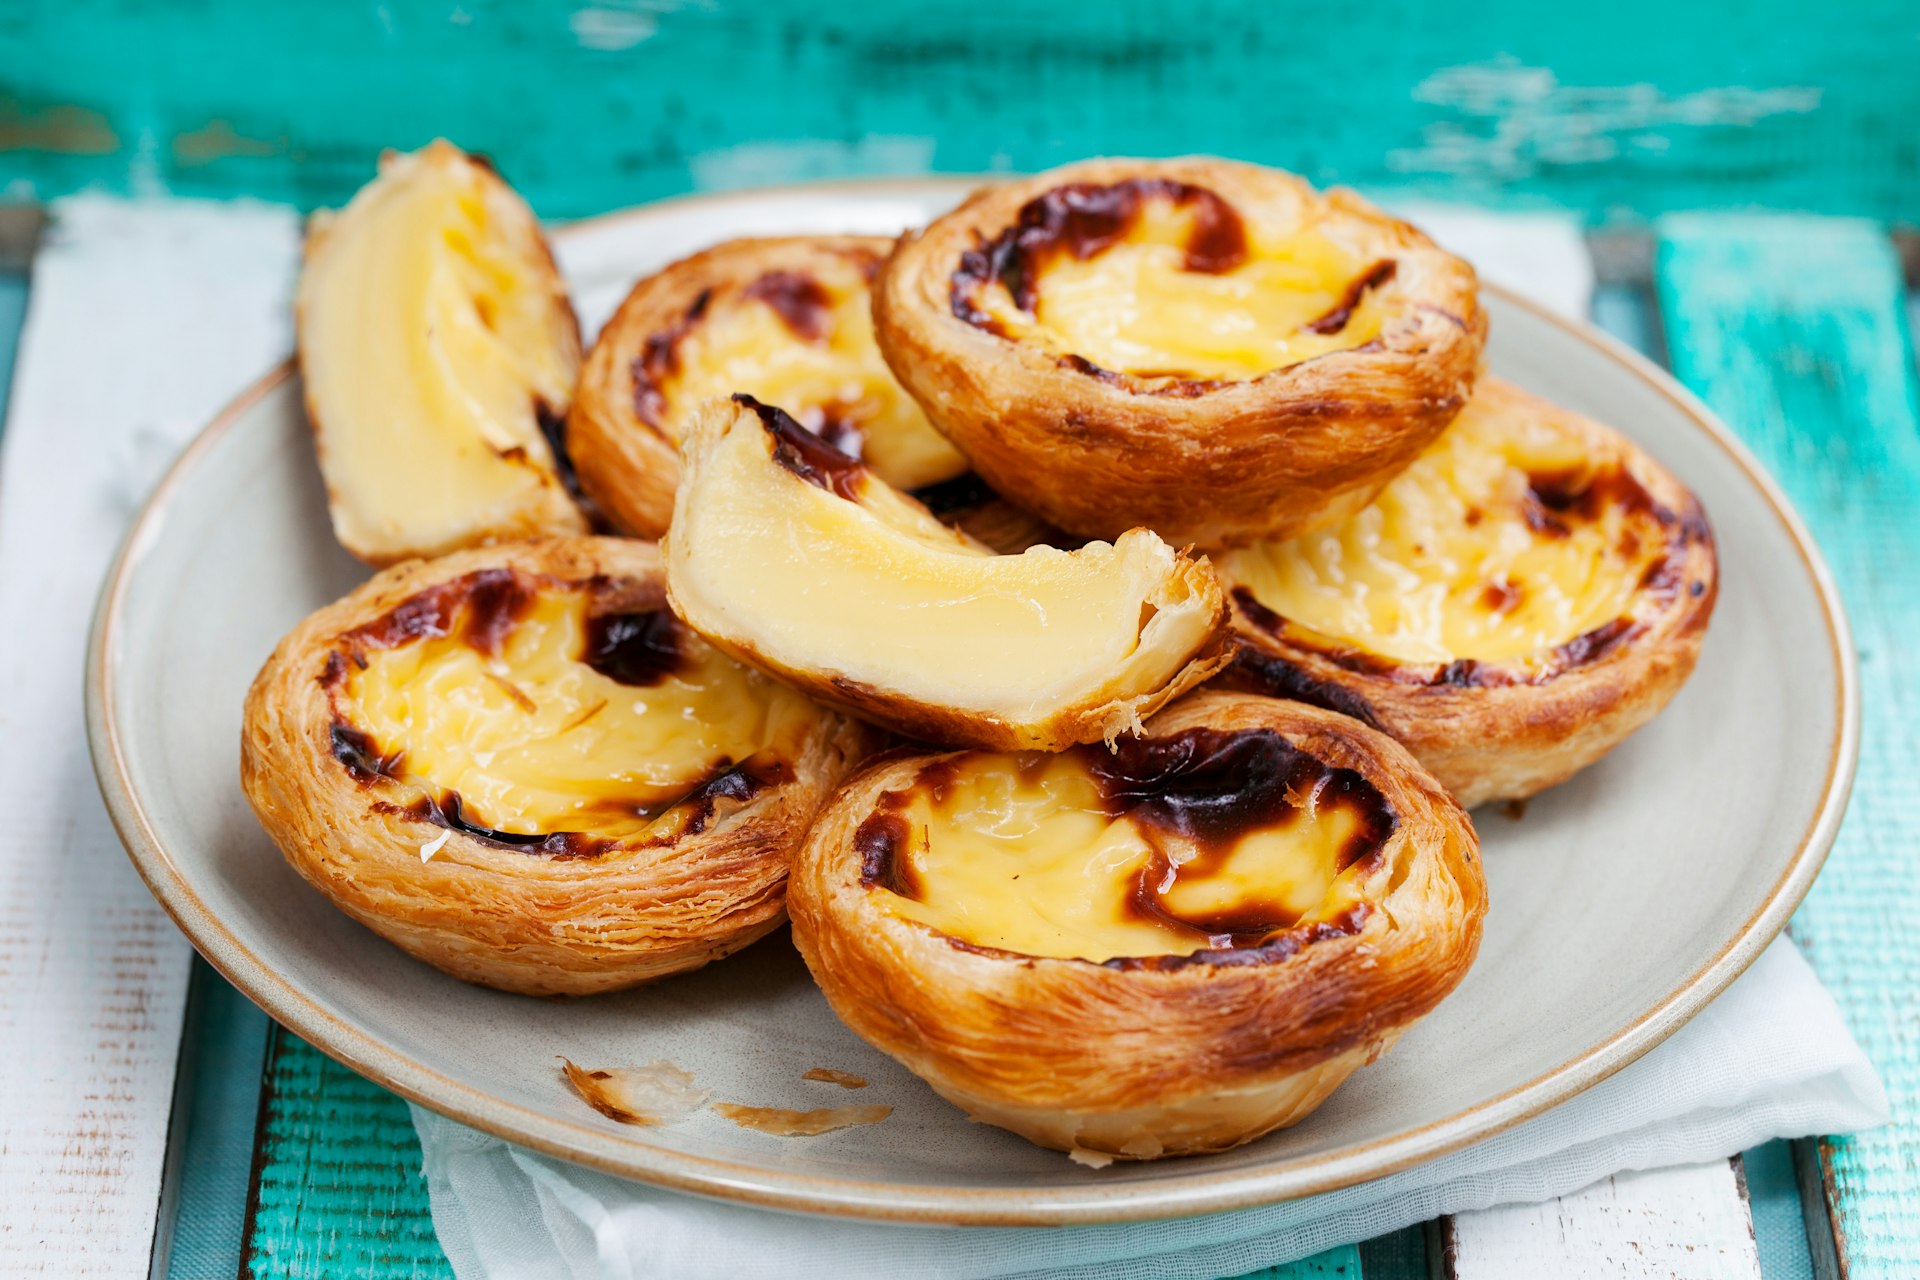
1179, 1193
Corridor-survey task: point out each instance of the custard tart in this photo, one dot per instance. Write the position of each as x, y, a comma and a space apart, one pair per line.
1524, 596
515, 764
1167, 948
797, 558
788, 321
438, 352
1213, 350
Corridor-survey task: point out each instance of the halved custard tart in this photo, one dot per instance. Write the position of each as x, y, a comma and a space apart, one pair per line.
1172, 947
1213, 350
438, 349
1524, 596
797, 558
788, 321
517, 765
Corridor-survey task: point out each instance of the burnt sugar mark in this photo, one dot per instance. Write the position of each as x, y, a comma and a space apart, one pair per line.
1591, 646
805, 454
1335, 318
479, 609
1501, 596
729, 782
882, 843
1259, 672
1209, 788
363, 758
638, 649
1269, 950
659, 360
802, 302
1083, 220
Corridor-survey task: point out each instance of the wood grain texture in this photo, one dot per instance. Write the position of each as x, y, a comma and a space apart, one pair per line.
1685, 1223
337, 1187
142, 322
589, 104
1794, 329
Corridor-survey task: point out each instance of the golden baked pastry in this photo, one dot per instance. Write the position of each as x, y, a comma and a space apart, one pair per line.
1210, 349
793, 556
516, 765
1171, 948
438, 349
1529, 592
788, 321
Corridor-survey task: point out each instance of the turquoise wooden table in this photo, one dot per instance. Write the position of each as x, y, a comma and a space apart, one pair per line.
1648, 123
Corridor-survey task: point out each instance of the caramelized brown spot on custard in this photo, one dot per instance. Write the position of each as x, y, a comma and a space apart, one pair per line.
1336, 317
1261, 672
801, 302
881, 841
659, 360
478, 609
805, 454
1082, 220
636, 649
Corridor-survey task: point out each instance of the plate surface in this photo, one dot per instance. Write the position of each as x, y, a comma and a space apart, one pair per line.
1621, 902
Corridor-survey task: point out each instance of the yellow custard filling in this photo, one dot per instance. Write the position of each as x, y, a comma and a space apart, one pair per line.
877, 590
1459, 557
1029, 854
533, 739
1137, 307
429, 330
819, 362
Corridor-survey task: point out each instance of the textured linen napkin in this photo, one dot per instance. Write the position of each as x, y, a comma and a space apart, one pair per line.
1769, 1059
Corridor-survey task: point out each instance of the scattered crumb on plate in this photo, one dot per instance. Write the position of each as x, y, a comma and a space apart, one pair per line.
801, 1124
1091, 1159
845, 1079
653, 1094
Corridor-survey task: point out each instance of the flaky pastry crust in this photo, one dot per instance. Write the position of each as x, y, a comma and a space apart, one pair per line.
1505, 730
1138, 1060
513, 918
1210, 462
623, 429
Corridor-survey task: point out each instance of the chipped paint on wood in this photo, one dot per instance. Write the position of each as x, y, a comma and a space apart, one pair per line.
1645, 105
189, 300
1795, 330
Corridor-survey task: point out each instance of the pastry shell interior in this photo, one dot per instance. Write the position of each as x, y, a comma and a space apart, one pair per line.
1511, 607
516, 765
1169, 950
1213, 350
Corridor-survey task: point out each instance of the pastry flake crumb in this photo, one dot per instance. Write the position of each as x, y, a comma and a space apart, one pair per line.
801, 1124
434, 845
845, 1079
1091, 1159
654, 1094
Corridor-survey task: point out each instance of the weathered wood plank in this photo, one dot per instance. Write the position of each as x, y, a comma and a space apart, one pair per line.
142, 321
596, 103
1794, 329
338, 1189
1689, 1222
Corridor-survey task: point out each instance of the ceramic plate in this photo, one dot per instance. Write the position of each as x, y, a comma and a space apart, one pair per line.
1621, 902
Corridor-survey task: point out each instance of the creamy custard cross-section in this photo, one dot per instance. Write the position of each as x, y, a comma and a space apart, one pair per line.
800, 338
1159, 279
435, 338
1508, 538
523, 712
1204, 841
799, 559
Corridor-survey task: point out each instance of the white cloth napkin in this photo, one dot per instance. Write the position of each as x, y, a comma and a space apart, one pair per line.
1770, 1058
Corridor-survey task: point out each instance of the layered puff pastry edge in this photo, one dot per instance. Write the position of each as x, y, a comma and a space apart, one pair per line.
1525, 596
1211, 349
1168, 950
516, 765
